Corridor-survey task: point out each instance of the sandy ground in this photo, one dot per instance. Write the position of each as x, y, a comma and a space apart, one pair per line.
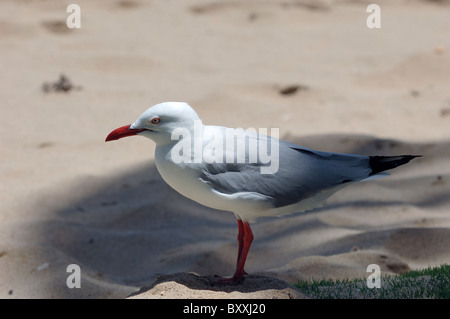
67, 197
192, 286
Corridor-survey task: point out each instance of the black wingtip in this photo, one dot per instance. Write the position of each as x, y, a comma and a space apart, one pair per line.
384, 163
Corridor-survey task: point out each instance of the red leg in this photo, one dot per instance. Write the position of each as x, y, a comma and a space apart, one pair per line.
240, 239
242, 256
245, 238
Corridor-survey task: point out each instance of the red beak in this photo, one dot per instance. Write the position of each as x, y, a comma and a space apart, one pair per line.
123, 131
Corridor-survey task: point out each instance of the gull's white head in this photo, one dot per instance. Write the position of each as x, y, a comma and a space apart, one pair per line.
158, 122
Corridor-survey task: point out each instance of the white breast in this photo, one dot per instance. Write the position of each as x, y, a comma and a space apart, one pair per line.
185, 179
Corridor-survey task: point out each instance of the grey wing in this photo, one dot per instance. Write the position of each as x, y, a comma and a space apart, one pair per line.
302, 173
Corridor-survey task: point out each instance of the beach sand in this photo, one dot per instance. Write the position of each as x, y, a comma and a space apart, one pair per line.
313, 69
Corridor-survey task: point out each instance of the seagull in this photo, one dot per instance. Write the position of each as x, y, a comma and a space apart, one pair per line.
246, 172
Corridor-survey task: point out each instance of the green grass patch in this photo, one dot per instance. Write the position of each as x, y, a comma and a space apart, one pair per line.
432, 282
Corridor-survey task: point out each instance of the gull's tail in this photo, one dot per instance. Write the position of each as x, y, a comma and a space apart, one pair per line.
382, 163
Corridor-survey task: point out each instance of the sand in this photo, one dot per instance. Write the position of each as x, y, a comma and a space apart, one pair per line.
192, 286
310, 68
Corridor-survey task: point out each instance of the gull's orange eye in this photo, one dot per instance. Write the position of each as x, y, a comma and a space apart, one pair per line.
155, 120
